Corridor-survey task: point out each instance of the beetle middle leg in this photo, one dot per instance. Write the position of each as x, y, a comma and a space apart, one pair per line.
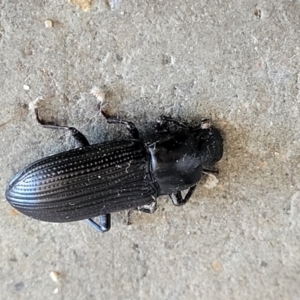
129, 125
77, 135
148, 208
177, 198
103, 225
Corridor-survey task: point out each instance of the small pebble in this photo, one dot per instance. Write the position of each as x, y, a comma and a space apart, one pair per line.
217, 266
34, 104
99, 94
48, 24
114, 4
26, 87
54, 276
211, 181
83, 4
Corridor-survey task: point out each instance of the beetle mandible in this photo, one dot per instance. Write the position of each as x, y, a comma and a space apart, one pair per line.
97, 180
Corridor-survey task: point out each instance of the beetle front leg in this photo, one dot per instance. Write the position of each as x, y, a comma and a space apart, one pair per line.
129, 125
103, 225
162, 125
214, 173
177, 198
77, 135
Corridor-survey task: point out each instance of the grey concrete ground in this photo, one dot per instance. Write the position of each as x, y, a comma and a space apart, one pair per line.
232, 61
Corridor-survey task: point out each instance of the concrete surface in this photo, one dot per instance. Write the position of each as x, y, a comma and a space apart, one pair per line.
236, 62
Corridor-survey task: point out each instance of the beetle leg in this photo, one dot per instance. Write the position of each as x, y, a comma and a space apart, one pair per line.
129, 125
148, 208
177, 198
210, 172
163, 122
77, 135
162, 127
103, 225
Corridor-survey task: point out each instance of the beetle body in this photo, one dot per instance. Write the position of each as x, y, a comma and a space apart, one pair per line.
96, 180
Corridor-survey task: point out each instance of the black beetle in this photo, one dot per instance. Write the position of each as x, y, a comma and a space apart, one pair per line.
96, 180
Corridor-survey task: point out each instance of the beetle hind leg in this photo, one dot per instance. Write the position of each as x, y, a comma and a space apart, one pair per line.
77, 135
103, 225
177, 198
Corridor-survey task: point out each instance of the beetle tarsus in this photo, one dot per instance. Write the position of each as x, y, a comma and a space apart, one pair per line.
103, 225
177, 198
77, 135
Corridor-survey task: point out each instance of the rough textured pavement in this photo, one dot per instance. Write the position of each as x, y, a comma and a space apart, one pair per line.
236, 63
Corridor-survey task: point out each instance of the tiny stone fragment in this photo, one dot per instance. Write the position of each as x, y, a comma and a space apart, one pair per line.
48, 24
217, 266
257, 13
26, 87
34, 104
54, 276
98, 93
14, 212
113, 4
211, 181
83, 4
